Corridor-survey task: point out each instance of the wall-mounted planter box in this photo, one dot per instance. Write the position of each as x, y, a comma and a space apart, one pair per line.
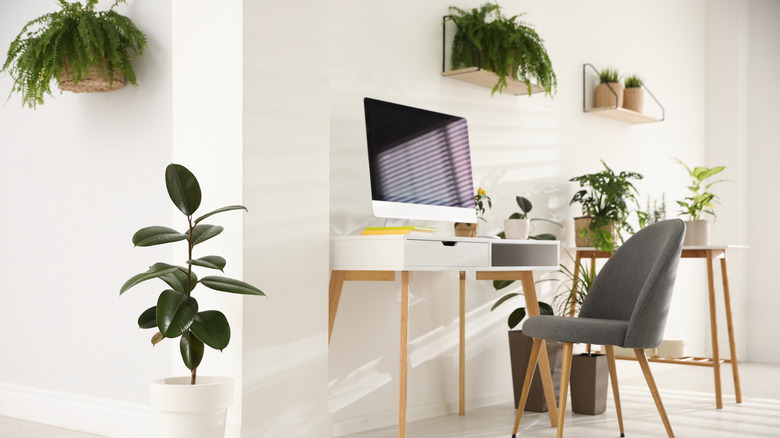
619, 113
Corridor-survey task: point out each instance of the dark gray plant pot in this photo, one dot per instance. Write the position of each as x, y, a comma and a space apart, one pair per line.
588, 382
519, 353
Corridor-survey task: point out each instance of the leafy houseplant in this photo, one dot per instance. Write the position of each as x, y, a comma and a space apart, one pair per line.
482, 202
634, 95
176, 314
75, 45
609, 92
604, 199
504, 45
518, 224
699, 203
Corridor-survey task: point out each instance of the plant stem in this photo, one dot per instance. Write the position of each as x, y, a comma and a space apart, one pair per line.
189, 270
194, 374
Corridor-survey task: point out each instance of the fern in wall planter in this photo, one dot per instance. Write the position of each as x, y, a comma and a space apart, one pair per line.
508, 47
83, 49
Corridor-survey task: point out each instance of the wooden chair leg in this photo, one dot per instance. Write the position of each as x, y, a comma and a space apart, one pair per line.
613, 378
640, 355
529, 375
565, 373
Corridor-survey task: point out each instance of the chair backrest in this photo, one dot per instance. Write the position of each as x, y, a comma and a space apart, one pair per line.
636, 283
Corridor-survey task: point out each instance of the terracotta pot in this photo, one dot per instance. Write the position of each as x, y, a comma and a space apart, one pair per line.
466, 230
606, 98
519, 353
584, 240
634, 99
697, 233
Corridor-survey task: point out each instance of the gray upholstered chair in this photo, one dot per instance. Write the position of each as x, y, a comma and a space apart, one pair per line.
626, 306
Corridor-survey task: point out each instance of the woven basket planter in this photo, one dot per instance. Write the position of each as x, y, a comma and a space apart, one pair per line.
634, 99
605, 98
466, 230
94, 82
586, 240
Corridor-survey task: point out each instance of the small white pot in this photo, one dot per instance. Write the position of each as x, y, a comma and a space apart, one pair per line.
192, 411
697, 233
516, 228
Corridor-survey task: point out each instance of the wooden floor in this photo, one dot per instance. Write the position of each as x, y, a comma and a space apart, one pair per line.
686, 392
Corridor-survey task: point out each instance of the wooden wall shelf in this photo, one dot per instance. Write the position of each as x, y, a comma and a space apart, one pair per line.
617, 113
476, 75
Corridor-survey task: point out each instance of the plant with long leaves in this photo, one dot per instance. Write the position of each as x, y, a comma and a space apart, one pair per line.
701, 201
176, 314
605, 197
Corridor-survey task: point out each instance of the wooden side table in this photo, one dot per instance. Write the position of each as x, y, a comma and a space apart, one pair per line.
710, 253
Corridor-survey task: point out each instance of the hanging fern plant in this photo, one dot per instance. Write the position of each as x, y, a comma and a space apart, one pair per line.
73, 41
508, 47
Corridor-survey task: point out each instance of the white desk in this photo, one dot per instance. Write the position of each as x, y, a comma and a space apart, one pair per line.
378, 258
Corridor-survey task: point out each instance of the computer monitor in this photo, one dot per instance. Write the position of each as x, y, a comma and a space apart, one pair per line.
419, 162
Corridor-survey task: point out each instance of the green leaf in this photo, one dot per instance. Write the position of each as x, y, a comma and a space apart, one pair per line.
212, 328
225, 284
502, 299
191, 349
148, 319
183, 188
203, 232
156, 235
155, 271
212, 261
543, 236
220, 210
545, 309
515, 317
524, 204
177, 280
500, 284
175, 313
157, 338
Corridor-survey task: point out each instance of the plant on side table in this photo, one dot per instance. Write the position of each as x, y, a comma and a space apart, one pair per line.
176, 315
83, 49
604, 199
505, 46
699, 203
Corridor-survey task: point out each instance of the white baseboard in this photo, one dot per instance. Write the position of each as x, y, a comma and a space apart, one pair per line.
763, 354
78, 412
390, 418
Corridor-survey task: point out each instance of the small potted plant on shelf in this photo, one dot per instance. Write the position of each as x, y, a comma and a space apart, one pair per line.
482, 203
699, 203
191, 403
604, 199
634, 95
83, 49
609, 92
504, 45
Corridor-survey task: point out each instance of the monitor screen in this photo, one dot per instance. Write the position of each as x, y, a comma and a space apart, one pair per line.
419, 163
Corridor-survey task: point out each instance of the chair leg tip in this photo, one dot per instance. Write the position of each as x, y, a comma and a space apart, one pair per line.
513, 436
622, 435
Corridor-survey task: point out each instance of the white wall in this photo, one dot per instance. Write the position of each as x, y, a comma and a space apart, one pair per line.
78, 177
520, 145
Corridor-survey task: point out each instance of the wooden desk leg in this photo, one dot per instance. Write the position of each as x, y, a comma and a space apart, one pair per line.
403, 366
462, 406
576, 277
334, 293
532, 305
714, 331
730, 325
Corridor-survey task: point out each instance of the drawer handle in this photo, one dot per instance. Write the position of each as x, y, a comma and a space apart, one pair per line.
448, 243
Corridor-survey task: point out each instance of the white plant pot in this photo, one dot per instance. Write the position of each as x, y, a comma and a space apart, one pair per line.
516, 228
192, 411
697, 233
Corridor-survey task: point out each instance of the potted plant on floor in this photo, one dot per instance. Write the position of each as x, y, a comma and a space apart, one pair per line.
609, 92
189, 406
83, 49
482, 203
699, 203
504, 45
604, 198
634, 95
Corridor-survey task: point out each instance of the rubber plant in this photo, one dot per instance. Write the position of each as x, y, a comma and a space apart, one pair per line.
604, 197
76, 36
504, 45
176, 314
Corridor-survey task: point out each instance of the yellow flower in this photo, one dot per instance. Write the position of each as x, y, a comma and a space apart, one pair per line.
481, 191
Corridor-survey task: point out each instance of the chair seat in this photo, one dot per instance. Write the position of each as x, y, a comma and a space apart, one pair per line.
577, 330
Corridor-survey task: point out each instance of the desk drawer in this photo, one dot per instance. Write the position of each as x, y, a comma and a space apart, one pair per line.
436, 253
